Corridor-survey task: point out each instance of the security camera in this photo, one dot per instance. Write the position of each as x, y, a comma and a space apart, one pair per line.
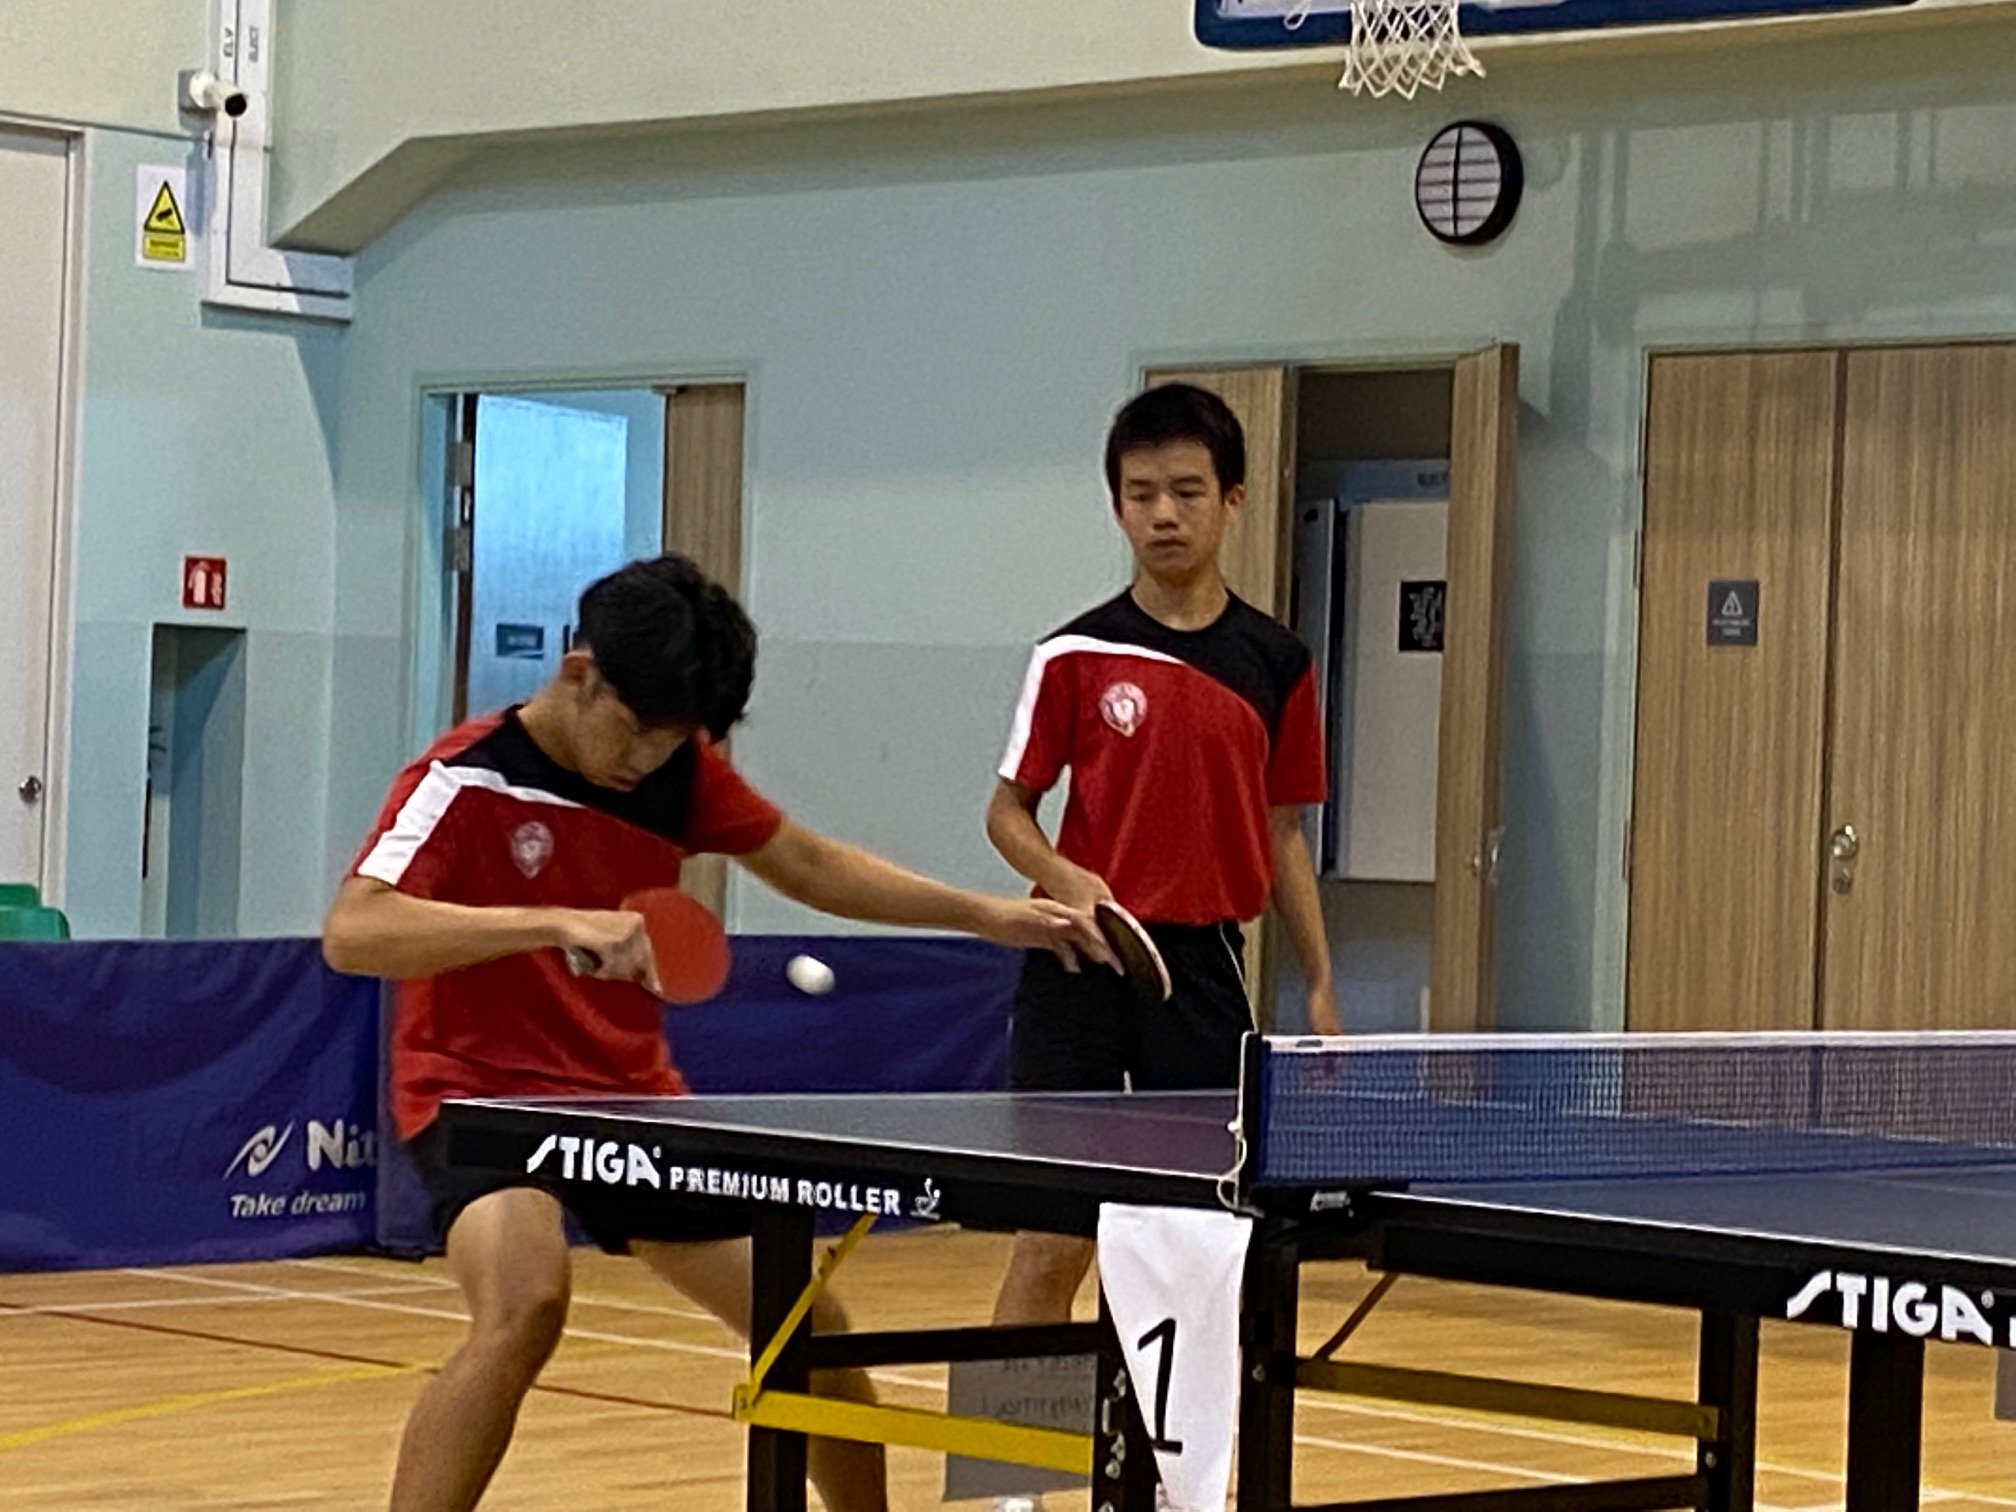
203, 93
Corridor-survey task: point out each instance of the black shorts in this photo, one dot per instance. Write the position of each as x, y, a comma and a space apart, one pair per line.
1088, 1032
608, 1220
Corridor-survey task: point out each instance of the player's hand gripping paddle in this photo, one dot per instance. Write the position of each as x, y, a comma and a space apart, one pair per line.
1140, 962
688, 945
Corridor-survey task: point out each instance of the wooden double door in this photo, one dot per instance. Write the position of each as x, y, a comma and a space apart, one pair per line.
1824, 808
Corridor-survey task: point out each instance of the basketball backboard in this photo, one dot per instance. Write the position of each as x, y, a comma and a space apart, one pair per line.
1313, 23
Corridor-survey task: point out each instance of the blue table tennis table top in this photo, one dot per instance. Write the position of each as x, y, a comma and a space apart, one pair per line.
1962, 1213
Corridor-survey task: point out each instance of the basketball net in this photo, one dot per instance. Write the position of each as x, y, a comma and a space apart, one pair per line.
1398, 46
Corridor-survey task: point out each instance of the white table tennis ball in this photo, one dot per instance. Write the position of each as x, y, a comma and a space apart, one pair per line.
809, 975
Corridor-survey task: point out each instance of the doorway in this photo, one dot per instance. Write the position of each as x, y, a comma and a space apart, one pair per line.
35, 241
546, 489
1378, 514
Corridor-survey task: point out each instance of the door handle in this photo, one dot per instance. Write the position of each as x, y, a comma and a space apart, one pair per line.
30, 788
1484, 861
1844, 846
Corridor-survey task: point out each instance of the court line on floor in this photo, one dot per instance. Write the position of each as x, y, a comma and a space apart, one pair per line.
1462, 1422
192, 1401
1634, 1447
588, 1299
380, 1370
455, 1315
1641, 1450
1454, 1462
421, 1276
307, 1351
146, 1304
1454, 1419
890, 1377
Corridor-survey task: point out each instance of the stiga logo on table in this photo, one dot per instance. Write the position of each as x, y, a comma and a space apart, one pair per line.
1916, 1309
611, 1162
341, 1146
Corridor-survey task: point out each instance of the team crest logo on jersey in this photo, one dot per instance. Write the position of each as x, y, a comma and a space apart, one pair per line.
1124, 707
532, 847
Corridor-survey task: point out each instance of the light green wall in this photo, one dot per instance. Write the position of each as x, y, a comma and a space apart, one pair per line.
936, 331
100, 62
200, 432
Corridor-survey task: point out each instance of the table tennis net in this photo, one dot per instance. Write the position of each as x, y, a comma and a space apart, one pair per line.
1396, 1109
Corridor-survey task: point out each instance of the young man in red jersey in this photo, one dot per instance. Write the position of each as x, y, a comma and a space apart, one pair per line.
1188, 722
511, 842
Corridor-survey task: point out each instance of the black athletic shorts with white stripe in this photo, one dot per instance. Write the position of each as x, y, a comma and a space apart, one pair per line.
1089, 1032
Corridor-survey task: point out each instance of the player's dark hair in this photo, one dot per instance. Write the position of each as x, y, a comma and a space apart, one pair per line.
1178, 412
672, 642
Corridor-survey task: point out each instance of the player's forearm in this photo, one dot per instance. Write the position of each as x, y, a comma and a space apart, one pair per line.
375, 930
1298, 903
850, 883
1022, 844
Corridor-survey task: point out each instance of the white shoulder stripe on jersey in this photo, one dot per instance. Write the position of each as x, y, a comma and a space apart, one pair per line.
422, 811
1032, 685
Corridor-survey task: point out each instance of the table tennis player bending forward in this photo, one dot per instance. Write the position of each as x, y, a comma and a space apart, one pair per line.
511, 842
1187, 719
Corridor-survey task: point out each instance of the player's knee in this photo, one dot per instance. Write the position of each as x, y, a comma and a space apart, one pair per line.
524, 1327
1053, 1261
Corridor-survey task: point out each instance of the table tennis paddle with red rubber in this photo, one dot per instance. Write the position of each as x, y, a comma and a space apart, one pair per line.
688, 945
1140, 962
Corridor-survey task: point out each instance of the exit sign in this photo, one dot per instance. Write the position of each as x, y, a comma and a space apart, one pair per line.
203, 582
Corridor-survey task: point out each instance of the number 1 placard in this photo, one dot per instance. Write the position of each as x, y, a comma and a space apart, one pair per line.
1172, 1279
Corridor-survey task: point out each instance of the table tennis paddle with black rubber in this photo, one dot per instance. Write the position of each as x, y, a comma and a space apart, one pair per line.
1140, 962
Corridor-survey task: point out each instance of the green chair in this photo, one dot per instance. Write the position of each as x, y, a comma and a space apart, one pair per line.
33, 924
20, 895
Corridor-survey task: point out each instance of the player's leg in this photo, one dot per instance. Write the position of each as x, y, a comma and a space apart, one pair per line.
1045, 1272
507, 1250
1068, 1035
849, 1477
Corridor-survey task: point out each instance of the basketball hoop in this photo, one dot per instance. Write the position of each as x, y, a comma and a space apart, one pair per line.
1397, 46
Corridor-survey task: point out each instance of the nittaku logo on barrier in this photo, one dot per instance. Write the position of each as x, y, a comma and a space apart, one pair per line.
610, 1162
1917, 1309
339, 1145
260, 1151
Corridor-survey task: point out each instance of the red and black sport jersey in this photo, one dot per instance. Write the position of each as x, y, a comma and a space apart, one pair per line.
1178, 743
487, 818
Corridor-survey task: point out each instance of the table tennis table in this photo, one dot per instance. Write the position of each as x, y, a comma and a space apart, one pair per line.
1860, 1182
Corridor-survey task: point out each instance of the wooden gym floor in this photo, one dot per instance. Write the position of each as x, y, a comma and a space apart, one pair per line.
284, 1385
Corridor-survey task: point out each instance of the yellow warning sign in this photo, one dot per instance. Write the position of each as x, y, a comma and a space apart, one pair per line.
164, 235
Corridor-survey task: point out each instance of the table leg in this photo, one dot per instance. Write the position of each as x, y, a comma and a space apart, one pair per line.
1728, 1383
1267, 1375
780, 1266
1886, 1420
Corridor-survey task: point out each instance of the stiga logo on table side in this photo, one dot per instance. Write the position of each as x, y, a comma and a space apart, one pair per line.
1915, 1308
611, 1162
335, 1146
